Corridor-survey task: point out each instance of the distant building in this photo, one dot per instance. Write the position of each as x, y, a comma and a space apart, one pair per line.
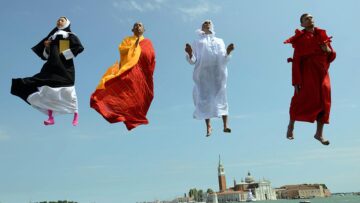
302, 191
260, 190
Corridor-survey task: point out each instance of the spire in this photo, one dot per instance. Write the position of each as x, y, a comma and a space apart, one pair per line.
221, 169
221, 175
220, 160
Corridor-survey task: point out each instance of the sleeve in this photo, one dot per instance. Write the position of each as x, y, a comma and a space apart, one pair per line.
39, 50
332, 55
225, 56
46, 53
75, 47
125, 46
325, 39
191, 60
296, 73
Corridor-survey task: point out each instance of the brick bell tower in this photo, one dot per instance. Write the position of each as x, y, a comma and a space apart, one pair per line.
221, 175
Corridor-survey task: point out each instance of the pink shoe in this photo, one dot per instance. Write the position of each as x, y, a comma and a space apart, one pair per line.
50, 120
76, 119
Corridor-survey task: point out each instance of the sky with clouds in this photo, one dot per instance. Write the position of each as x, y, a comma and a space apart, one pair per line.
101, 162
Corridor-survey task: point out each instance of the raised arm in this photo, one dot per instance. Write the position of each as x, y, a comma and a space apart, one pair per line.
230, 48
190, 57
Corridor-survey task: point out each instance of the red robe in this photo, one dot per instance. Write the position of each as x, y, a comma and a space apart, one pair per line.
310, 65
127, 97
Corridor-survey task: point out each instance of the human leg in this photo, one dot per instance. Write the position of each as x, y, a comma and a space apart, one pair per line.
289, 133
225, 121
319, 133
208, 127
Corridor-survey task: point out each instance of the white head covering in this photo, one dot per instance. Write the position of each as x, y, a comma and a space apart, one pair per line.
61, 30
66, 24
201, 32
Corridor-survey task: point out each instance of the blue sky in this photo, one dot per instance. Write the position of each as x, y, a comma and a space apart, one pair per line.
101, 162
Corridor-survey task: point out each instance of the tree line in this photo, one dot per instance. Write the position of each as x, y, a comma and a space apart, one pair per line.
199, 195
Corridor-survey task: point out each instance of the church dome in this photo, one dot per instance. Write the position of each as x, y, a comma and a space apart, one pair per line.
249, 178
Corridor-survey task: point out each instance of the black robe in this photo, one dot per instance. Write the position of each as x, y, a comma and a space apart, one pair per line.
56, 72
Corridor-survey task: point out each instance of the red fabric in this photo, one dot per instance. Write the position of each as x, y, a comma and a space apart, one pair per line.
127, 98
310, 67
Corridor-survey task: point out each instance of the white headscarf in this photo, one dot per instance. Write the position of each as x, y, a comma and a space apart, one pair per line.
60, 30
201, 32
66, 24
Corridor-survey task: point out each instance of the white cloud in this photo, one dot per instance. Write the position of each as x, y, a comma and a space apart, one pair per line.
196, 11
188, 13
141, 6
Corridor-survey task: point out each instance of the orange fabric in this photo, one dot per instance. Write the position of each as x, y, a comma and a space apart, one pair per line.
129, 56
310, 70
127, 96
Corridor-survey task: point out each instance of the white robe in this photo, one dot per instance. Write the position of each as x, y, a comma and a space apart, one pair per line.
210, 76
61, 100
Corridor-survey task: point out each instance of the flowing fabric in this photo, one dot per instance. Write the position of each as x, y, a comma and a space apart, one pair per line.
53, 88
126, 91
210, 76
310, 65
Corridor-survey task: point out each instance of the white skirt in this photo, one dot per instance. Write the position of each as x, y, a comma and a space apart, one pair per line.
61, 100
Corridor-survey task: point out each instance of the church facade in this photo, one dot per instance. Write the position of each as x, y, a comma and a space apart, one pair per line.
248, 190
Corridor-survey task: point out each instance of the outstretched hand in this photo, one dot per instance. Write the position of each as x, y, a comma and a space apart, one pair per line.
137, 42
325, 48
188, 50
230, 48
297, 89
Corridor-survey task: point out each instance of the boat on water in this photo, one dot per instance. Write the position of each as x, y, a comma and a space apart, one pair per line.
250, 197
305, 201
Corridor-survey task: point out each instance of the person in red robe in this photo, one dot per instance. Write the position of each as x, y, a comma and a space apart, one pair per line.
310, 77
126, 90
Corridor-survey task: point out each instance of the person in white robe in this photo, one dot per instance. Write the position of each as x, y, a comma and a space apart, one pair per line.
209, 55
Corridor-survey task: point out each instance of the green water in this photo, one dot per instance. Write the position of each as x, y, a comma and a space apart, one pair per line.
333, 199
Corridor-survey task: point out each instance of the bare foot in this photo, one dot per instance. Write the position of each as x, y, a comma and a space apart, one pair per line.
208, 131
321, 140
227, 130
289, 133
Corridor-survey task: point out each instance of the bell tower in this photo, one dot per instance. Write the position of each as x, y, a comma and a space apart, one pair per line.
221, 175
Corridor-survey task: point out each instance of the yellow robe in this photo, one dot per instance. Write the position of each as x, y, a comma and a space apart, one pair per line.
129, 56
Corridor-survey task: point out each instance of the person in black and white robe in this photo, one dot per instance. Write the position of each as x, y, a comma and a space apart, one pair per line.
52, 91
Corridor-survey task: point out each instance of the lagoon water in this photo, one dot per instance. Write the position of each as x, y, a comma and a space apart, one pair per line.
333, 199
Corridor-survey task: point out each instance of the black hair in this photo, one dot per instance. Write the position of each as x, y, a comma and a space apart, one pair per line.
302, 16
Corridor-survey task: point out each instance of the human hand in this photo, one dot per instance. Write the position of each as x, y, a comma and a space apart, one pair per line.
297, 89
47, 43
325, 48
137, 41
188, 49
230, 48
